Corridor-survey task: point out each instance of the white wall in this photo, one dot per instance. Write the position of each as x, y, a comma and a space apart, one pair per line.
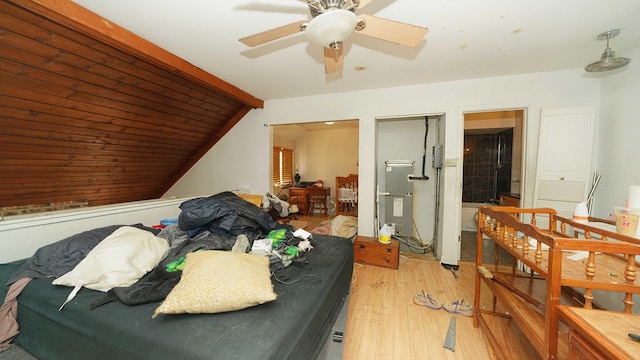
325, 154
619, 137
241, 159
21, 236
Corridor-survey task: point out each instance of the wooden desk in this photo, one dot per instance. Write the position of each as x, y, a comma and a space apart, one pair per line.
599, 334
302, 192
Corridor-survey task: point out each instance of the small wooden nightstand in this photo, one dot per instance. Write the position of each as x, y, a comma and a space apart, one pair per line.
370, 251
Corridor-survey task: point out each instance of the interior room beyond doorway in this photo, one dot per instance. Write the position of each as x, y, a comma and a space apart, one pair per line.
492, 163
321, 152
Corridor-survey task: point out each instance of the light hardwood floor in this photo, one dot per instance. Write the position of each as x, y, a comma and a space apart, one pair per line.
384, 323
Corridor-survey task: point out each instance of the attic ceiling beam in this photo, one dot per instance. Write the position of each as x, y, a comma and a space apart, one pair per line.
203, 150
74, 16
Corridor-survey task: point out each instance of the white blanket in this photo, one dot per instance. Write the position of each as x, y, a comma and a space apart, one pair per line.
119, 260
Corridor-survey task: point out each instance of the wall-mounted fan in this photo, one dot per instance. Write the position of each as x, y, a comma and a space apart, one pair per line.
333, 21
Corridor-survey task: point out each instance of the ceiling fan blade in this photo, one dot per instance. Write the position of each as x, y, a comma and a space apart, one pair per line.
363, 3
273, 34
393, 31
332, 60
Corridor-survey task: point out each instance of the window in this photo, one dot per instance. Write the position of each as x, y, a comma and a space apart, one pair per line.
282, 165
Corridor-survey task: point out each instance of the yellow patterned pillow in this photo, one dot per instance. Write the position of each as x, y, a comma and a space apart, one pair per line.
254, 199
218, 281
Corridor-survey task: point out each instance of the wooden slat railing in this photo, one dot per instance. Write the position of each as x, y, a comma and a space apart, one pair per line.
608, 263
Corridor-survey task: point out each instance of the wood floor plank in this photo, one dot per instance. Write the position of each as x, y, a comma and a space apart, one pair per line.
401, 317
371, 285
355, 313
439, 289
431, 330
384, 323
416, 325
466, 342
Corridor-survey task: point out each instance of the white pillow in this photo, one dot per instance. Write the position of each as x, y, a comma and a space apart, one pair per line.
119, 260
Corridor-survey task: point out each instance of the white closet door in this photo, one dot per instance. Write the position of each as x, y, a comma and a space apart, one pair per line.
564, 158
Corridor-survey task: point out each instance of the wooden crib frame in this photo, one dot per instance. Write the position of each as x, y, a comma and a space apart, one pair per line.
347, 195
609, 265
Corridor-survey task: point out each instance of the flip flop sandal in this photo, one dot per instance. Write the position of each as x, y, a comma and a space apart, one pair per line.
426, 300
459, 307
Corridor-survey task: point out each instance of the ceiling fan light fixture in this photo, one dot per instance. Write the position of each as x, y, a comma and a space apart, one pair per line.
331, 28
608, 61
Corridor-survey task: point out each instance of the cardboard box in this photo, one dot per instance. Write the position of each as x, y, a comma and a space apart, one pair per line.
370, 251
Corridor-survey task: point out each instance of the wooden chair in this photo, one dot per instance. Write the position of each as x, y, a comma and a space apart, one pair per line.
317, 199
347, 195
300, 201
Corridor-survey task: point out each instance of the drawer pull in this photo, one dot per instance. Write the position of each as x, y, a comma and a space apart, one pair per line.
389, 250
362, 246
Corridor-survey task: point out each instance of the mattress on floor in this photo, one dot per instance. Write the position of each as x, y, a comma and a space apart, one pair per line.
295, 326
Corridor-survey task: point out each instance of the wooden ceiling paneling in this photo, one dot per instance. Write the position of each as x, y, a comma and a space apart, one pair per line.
90, 111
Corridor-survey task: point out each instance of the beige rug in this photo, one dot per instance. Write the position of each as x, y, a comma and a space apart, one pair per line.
298, 224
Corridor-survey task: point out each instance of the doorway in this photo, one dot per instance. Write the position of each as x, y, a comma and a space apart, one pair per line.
404, 156
321, 152
493, 150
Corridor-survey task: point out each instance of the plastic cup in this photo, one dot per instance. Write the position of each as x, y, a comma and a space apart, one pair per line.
627, 220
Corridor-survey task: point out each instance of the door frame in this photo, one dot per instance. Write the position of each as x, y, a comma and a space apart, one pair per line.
525, 167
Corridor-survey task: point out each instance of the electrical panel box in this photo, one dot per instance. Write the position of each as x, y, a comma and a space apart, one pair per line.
437, 156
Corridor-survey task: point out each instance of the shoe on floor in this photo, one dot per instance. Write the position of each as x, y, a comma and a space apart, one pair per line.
426, 300
459, 307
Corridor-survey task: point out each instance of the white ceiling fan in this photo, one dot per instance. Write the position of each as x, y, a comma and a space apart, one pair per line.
333, 21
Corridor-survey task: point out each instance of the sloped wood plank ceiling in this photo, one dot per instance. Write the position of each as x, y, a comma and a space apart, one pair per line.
91, 112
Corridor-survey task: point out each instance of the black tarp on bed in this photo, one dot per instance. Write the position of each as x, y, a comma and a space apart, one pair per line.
294, 326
